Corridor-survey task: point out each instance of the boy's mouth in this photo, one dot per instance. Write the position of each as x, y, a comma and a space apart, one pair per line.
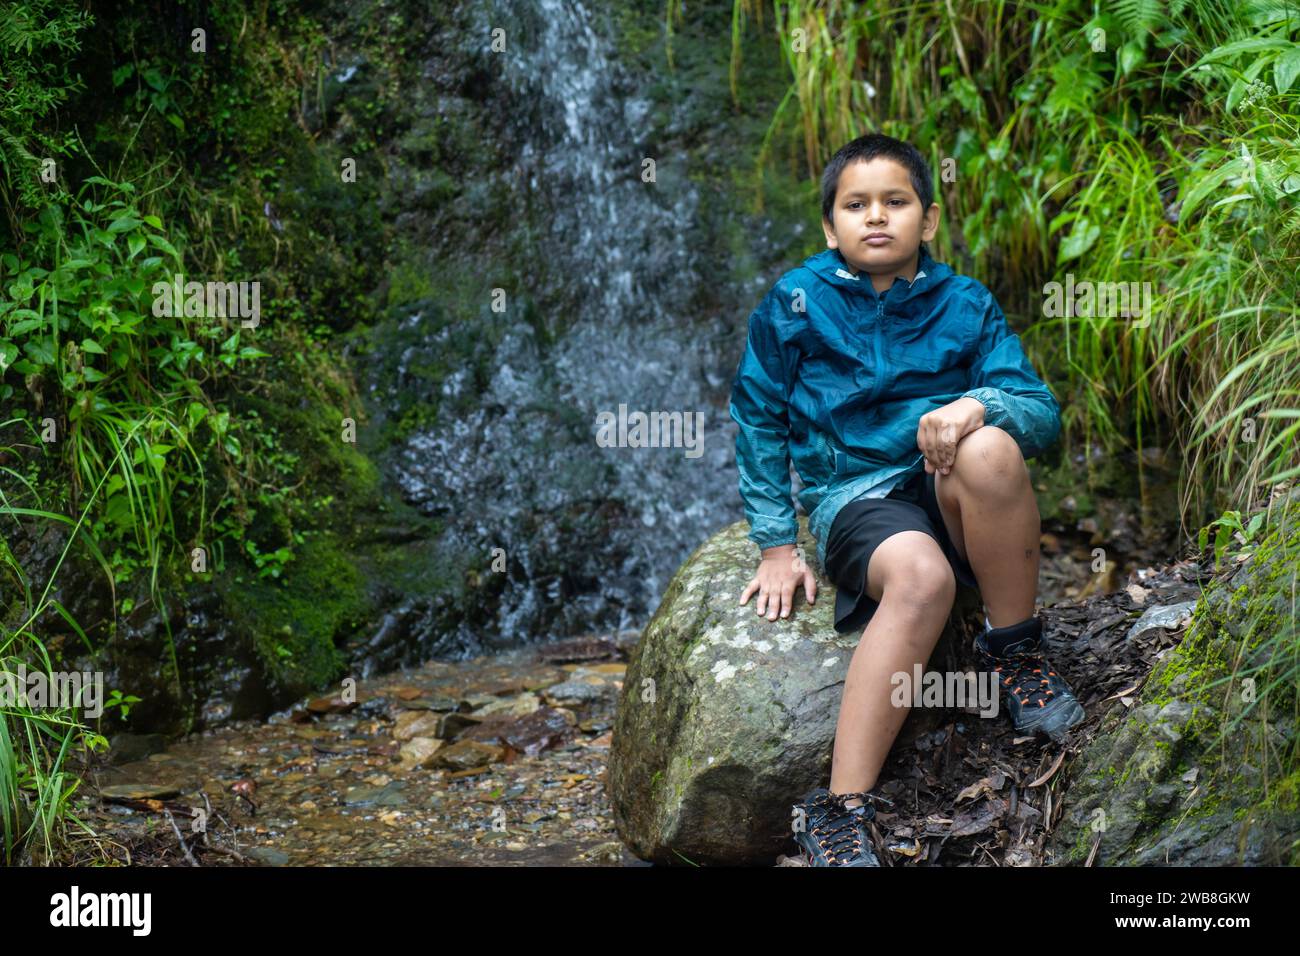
877, 239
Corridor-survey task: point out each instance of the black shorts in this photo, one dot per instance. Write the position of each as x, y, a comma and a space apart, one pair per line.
861, 525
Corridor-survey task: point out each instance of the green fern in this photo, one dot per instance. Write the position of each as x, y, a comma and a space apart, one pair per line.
1138, 17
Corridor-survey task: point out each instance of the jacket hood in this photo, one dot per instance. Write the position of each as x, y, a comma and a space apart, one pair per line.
830, 267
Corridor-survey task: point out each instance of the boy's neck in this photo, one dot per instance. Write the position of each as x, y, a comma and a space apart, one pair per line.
883, 282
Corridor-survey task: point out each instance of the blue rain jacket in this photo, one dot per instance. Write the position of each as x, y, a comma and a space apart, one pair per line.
836, 377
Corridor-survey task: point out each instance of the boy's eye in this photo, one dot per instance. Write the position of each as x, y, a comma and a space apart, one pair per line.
901, 202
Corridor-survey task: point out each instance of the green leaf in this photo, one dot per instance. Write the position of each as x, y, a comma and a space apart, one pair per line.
1235, 197
135, 244
1286, 69
124, 224
1079, 241
1131, 57
1196, 192
1253, 45
1235, 95
90, 345
21, 328
164, 245
42, 350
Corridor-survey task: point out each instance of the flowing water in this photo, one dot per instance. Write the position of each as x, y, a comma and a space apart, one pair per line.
591, 534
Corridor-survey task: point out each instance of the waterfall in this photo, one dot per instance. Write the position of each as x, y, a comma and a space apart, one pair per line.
591, 534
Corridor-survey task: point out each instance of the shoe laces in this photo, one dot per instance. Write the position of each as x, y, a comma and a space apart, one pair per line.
1028, 678
837, 832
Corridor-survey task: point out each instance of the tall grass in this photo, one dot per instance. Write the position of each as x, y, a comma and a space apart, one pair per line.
37, 741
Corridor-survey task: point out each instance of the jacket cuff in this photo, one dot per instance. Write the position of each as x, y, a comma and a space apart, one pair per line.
774, 539
995, 411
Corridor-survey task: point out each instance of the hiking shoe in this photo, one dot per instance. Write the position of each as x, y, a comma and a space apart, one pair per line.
1037, 697
833, 834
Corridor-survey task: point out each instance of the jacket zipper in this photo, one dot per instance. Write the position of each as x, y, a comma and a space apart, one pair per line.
879, 351
824, 449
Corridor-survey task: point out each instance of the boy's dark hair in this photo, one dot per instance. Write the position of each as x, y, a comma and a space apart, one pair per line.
867, 148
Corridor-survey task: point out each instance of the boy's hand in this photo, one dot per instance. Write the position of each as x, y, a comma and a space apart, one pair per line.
940, 431
779, 575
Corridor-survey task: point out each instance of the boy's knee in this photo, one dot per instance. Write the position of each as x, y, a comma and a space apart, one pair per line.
921, 581
989, 457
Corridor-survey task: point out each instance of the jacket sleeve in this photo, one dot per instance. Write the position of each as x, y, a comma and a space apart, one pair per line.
759, 396
1015, 399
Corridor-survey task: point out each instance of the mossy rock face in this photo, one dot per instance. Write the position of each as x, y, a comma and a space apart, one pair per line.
726, 718
1201, 772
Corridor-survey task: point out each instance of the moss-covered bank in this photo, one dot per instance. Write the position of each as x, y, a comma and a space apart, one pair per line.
1205, 769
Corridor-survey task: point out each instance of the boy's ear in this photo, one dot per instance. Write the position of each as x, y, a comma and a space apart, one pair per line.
831, 241
930, 222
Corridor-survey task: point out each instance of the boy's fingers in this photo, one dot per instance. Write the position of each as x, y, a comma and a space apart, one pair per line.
810, 587
775, 608
749, 589
934, 448
787, 598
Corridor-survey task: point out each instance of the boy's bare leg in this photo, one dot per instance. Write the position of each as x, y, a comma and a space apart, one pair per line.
988, 504
914, 584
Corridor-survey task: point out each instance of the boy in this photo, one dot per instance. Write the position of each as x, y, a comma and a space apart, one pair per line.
908, 409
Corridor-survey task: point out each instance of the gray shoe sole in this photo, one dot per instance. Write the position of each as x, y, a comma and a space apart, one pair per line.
1057, 722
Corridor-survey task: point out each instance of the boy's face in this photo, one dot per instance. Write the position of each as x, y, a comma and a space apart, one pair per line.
879, 224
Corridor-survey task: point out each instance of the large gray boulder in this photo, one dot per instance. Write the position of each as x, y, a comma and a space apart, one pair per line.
727, 718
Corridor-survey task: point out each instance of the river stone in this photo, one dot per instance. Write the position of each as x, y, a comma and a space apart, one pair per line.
419, 751
126, 747
466, 754
727, 718
579, 692
389, 795
416, 723
268, 855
